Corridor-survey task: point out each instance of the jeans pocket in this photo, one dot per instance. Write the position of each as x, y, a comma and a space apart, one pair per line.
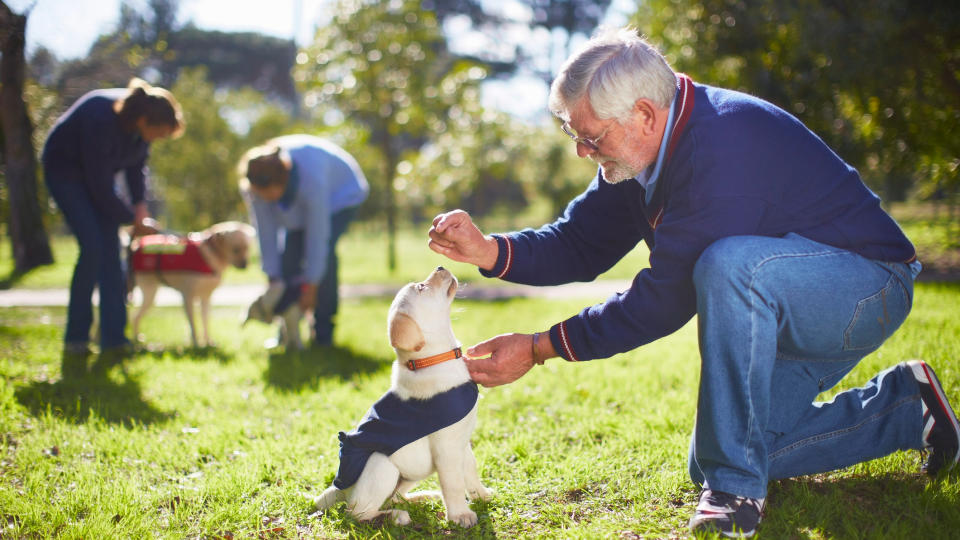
877, 317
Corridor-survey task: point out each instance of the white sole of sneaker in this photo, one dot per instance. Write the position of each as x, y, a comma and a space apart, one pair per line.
923, 372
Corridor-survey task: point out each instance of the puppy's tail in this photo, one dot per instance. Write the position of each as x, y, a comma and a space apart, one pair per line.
328, 498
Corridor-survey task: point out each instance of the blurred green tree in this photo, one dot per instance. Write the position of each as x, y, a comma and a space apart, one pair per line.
879, 82
195, 173
386, 66
500, 166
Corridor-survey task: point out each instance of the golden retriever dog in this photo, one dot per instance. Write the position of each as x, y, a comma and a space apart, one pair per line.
422, 424
264, 309
193, 265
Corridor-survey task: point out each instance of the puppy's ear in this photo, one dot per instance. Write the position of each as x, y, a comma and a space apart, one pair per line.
405, 334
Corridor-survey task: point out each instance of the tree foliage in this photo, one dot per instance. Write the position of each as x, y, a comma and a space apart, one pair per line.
386, 66
880, 82
194, 175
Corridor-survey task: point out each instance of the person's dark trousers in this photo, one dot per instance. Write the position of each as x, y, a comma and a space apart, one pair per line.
328, 298
98, 264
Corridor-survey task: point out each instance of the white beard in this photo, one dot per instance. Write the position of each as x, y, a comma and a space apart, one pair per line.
617, 170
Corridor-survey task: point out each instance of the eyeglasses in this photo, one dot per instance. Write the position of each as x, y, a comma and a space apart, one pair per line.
593, 144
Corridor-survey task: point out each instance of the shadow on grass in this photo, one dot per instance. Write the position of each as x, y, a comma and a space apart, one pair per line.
12, 278
894, 505
186, 352
84, 394
294, 370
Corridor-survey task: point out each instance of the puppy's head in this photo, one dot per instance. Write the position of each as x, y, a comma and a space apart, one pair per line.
262, 309
419, 316
231, 241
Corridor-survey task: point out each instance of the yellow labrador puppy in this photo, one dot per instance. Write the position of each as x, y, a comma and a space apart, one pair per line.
264, 309
193, 265
423, 424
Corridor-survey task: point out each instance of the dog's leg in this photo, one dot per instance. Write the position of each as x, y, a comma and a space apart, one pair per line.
149, 292
328, 498
475, 489
205, 317
188, 310
377, 482
450, 473
419, 496
415, 496
291, 325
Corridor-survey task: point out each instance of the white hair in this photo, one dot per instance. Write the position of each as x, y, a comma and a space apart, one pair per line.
614, 69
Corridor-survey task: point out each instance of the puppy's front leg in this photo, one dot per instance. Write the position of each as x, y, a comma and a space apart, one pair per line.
376, 483
450, 463
475, 489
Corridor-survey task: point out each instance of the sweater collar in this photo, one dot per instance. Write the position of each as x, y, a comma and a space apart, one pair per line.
676, 122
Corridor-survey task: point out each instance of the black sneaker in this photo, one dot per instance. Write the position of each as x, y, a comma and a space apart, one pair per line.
941, 431
730, 515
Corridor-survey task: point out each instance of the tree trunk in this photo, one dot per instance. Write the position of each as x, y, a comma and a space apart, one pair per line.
390, 202
27, 234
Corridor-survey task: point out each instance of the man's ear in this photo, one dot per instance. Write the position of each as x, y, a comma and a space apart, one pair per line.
405, 334
645, 115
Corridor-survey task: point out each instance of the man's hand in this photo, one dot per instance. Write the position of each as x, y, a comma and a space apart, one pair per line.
500, 360
308, 297
454, 235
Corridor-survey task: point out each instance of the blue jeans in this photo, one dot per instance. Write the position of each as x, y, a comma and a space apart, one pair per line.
328, 298
98, 264
780, 321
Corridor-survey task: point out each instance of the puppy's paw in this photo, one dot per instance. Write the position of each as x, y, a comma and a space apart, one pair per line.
481, 492
399, 517
465, 519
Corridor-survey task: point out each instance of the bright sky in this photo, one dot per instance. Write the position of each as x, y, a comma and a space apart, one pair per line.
69, 27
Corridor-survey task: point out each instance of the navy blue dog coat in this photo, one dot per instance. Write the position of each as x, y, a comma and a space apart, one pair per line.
392, 423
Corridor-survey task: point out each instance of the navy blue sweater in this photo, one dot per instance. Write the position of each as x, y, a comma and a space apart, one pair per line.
736, 165
392, 423
88, 145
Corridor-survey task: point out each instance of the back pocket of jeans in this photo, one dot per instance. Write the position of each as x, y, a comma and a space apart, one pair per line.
877, 317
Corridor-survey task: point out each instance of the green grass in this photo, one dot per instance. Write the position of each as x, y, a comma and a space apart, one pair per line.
224, 442
362, 252
934, 233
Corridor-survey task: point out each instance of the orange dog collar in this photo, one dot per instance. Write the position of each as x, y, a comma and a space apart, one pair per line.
421, 363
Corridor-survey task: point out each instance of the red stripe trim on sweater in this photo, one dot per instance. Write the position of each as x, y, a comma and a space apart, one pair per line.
509, 262
683, 115
657, 219
565, 342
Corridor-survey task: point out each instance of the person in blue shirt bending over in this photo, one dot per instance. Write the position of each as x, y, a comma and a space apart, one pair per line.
105, 132
792, 267
303, 192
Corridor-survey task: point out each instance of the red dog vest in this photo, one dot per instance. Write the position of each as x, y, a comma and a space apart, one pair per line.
169, 253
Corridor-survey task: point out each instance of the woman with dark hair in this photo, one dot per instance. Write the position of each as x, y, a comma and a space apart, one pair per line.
104, 132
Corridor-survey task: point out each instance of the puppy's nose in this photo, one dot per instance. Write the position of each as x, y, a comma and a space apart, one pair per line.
440, 268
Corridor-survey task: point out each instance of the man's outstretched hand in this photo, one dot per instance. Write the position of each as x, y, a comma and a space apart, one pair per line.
455, 236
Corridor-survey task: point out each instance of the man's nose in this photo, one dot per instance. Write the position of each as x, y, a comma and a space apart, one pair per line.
584, 150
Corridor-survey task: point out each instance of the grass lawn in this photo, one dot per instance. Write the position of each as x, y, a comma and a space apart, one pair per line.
362, 252
226, 442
